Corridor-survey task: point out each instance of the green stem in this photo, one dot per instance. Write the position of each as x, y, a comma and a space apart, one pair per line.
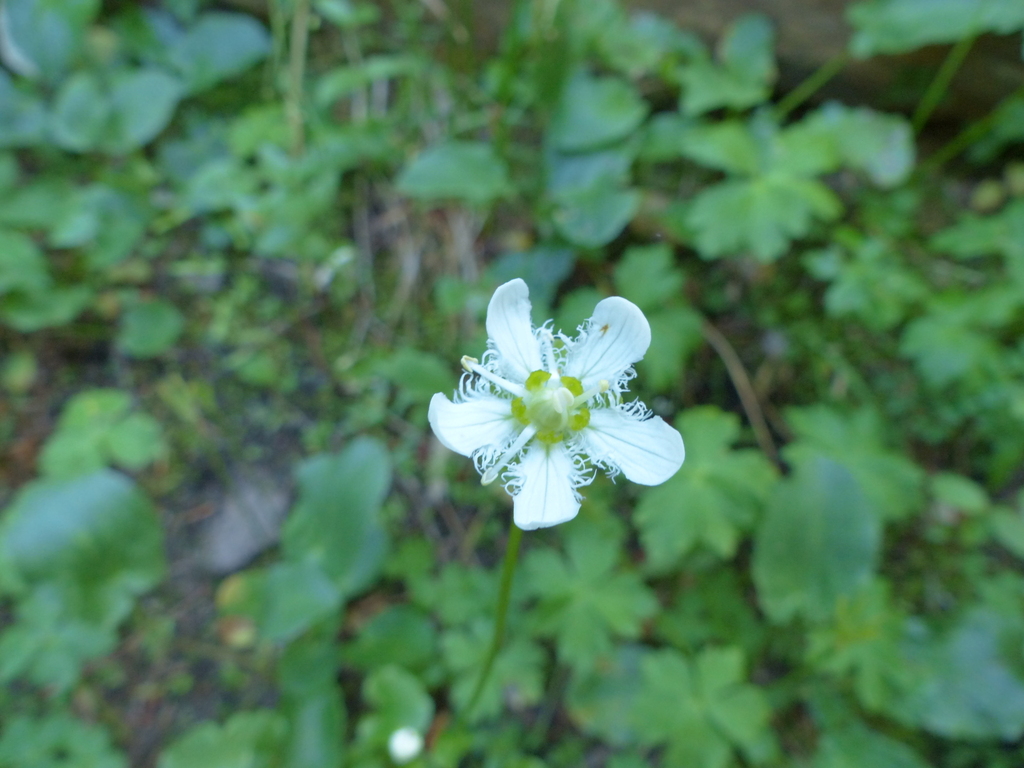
940, 84
968, 136
508, 569
811, 85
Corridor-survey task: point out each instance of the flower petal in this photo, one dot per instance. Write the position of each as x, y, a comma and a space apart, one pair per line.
510, 329
647, 451
465, 427
615, 337
547, 496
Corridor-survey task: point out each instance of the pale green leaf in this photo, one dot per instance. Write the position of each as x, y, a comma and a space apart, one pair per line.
595, 111
711, 500
460, 170
819, 541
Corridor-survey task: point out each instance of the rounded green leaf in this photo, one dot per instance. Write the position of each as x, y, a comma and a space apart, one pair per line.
81, 113
594, 111
819, 541
461, 170
96, 536
142, 103
219, 46
150, 328
335, 522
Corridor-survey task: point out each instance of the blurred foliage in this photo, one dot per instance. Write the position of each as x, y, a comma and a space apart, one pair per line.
237, 242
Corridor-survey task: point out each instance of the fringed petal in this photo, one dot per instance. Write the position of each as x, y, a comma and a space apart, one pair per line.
615, 337
484, 422
647, 451
547, 479
511, 331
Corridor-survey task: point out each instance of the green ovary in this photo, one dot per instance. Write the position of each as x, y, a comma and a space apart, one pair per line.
549, 405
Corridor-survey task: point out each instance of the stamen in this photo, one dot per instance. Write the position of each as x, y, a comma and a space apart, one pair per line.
547, 350
472, 365
602, 386
492, 474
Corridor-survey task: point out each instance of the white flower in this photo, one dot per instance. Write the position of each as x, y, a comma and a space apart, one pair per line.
404, 745
542, 411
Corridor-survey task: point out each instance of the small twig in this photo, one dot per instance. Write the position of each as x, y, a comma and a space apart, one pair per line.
740, 380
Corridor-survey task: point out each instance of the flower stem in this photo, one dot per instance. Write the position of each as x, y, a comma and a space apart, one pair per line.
938, 87
508, 569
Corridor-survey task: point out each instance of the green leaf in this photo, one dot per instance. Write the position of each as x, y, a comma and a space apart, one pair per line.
601, 701
97, 537
397, 699
585, 600
23, 120
247, 739
594, 217
675, 334
136, 441
947, 345
855, 746
648, 276
49, 647
96, 428
711, 500
742, 77
967, 689
295, 597
458, 594
595, 111
819, 541
104, 222
462, 170
45, 37
1007, 526
702, 708
401, 635
312, 702
78, 553
864, 641
53, 307
142, 103
880, 145
762, 215
517, 674
416, 374
871, 282
149, 328
728, 146
219, 46
719, 612
999, 234
22, 265
897, 26
892, 483
81, 113
57, 740
335, 522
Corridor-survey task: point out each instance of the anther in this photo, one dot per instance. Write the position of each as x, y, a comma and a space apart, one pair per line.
472, 365
602, 386
495, 469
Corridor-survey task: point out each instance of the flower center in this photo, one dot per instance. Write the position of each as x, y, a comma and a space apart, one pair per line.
554, 405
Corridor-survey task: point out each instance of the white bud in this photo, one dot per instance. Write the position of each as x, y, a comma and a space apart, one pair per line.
404, 745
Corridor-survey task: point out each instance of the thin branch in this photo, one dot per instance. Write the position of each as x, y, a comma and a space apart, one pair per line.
741, 380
